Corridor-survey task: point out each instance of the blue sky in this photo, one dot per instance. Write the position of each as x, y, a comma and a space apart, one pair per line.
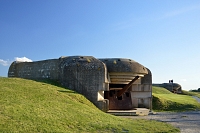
163, 35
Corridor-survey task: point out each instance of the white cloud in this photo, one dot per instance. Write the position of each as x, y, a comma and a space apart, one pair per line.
18, 59
5, 62
23, 59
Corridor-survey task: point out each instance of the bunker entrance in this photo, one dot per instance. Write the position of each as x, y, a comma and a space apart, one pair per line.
116, 102
119, 96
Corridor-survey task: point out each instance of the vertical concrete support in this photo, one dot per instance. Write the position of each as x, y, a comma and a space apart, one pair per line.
86, 75
146, 82
141, 92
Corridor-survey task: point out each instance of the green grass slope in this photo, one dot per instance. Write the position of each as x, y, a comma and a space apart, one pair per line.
30, 106
160, 90
164, 100
197, 94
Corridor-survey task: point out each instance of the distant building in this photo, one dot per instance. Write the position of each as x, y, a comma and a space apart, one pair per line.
110, 83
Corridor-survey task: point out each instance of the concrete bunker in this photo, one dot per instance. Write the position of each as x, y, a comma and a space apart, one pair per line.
173, 87
110, 83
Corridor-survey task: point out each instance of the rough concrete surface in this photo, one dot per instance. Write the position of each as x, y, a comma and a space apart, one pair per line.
187, 122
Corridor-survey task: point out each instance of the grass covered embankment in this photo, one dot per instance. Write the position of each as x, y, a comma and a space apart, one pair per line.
30, 106
164, 100
197, 94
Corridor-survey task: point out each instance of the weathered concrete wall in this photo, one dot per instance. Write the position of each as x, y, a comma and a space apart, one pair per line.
46, 69
84, 74
147, 79
141, 92
144, 92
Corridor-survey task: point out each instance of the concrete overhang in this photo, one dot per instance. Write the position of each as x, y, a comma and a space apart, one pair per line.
124, 65
122, 71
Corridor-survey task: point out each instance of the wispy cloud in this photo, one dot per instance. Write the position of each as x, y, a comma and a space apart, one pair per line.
131, 22
5, 62
23, 59
181, 11
127, 24
18, 59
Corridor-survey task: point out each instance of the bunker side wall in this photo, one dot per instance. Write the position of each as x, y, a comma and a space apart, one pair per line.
86, 75
47, 69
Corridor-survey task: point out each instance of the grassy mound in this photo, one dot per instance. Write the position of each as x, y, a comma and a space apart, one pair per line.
160, 90
164, 100
30, 106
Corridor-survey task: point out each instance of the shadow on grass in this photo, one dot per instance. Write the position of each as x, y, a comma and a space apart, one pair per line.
67, 91
56, 83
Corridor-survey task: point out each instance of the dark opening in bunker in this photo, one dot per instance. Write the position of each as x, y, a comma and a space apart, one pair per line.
119, 98
127, 94
116, 102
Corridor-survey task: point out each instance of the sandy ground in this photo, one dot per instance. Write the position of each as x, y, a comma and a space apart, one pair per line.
187, 122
